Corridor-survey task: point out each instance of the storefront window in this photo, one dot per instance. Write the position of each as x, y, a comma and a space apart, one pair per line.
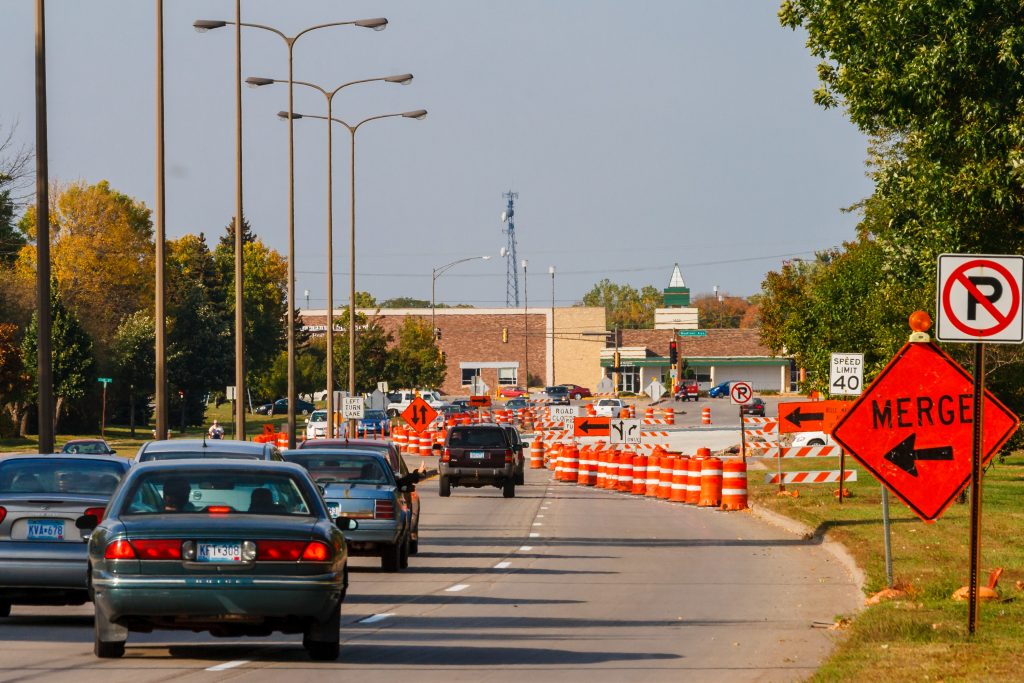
468, 374
507, 376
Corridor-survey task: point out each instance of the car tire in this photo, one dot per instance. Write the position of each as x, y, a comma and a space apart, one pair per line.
414, 543
815, 442
444, 486
5, 609
520, 477
403, 559
109, 639
323, 640
508, 489
391, 557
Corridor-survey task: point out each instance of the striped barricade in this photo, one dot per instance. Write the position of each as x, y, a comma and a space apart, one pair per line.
818, 477
803, 452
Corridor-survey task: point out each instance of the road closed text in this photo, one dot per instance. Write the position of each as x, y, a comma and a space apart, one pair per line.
922, 411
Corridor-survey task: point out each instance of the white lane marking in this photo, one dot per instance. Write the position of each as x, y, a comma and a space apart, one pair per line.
534, 535
537, 524
502, 565
228, 665
376, 617
540, 516
526, 549
457, 587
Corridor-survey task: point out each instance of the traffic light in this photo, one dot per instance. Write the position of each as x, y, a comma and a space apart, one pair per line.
437, 333
504, 335
616, 361
673, 353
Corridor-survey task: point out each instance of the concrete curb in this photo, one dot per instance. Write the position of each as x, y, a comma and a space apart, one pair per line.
834, 548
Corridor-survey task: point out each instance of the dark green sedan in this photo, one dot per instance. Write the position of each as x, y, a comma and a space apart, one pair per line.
226, 546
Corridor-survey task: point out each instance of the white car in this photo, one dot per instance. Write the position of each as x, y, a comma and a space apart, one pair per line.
316, 424
609, 407
400, 400
811, 439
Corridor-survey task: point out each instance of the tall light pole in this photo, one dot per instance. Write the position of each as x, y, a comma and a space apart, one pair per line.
377, 24
551, 270
44, 357
416, 114
526, 330
438, 272
403, 79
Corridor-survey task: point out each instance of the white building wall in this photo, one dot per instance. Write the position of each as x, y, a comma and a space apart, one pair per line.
761, 377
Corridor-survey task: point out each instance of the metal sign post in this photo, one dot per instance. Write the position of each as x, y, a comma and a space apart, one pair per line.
979, 393
103, 411
886, 535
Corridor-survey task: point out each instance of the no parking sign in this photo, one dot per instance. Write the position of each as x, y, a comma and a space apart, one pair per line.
979, 299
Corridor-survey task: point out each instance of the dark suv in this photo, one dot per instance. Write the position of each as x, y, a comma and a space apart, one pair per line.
478, 455
558, 396
516, 441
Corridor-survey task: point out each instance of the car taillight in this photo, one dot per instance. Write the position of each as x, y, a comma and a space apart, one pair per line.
157, 549
447, 455
218, 509
3, 513
120, 550
383, 509
509, 456
316, 551
95, 512
280, 551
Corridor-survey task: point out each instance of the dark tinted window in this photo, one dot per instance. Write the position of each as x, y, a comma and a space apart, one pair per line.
60, 475
192, 455
477, 438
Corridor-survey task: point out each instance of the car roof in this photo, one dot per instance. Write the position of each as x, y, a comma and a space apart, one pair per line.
344, 443
208, 445
313, 452
84, 441
98, 457
219, 463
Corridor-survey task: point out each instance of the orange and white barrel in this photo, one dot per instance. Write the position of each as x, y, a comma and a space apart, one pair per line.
734, 484
398, 436
426, 441
670, 416
680, 475
649, 413
571, 464
693, 481
611, 479
653, 473
602, 469
536, 455
555, 464
591, 410
703, 452
705, 415
665, 476
632, 410
639, 475
282, 440
625, 471
710, 483
551, 455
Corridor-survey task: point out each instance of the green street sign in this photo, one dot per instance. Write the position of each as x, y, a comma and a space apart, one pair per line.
692, 333
104, 380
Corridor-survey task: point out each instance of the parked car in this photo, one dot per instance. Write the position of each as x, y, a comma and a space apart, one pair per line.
463, 405
400, 400
237, 548
754, 407
374, 422
43, 556
557, 395
398, 466
719, 390
576, 391
477, 456
190, 449
88, 447
516, 441
609, 407
518, 403
359, 484
688, 390
812, 439
280, 407
512, 392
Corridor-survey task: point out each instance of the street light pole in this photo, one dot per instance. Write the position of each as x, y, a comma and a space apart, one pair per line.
438, 272
551, 269
239, 246
526, 330
375, 24
44, 356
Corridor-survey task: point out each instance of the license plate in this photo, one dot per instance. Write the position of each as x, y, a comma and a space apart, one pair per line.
45, 530
334, 510
219, 552
476, 455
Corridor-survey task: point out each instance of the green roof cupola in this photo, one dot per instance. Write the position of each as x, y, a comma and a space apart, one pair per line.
677, 294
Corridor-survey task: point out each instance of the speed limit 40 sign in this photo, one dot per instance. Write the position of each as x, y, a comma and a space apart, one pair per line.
846, 374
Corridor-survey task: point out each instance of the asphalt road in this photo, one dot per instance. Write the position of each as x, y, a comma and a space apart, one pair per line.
559, 582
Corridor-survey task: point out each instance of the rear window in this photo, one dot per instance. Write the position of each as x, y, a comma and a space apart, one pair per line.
346, 468
210, 491
607, 402
193, 455
60, 475
477, 438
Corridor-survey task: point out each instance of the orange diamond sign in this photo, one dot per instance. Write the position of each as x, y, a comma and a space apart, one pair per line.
419, 415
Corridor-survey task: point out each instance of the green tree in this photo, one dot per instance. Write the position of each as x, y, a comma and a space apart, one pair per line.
408, 302
417, 361
134, 361
71, 357
625, 306
14, 380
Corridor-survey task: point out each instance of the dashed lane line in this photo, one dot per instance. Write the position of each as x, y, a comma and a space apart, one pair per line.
375, 618
229, 665
457, 587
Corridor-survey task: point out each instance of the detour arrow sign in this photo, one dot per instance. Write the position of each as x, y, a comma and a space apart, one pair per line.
810, 416
912, 428
591, 426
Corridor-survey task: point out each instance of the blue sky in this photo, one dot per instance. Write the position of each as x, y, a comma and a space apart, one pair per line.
636, 134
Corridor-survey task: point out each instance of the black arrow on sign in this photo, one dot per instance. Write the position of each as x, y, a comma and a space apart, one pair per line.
423, 414
905, 456
586, 427
796, 417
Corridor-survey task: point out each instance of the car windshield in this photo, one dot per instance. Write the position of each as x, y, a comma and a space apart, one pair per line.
318, 416
556, 390
375, 415
60, 475
88, 447
343, 468
478, 438
216, 491
192, 455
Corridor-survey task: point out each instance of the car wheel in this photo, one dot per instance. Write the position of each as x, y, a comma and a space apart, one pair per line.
5, 609
323, 640
403, 559
508, 490
414, 543
109, 638
391, 557
444, 486
815, 442
520, 477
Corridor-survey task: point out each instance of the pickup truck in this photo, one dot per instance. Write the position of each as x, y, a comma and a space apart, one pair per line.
689, 390
400, 400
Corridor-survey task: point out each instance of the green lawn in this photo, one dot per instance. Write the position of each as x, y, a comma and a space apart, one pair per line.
923, 637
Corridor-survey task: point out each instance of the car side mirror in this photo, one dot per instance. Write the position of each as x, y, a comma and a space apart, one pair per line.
87, 523
346, 523
113, 452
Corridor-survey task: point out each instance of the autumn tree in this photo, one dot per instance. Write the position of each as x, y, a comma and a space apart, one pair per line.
625, 306
417, 359
717, 313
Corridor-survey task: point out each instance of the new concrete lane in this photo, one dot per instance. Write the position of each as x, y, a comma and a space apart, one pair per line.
561, 581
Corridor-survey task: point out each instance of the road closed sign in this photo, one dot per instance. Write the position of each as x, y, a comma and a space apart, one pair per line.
846, 374
979, 299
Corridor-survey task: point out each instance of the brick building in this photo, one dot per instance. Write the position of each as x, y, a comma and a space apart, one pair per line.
501, 345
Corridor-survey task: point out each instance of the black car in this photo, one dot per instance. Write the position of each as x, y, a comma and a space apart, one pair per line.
475, 456
280, 407
557, 395
463, 405
755, 407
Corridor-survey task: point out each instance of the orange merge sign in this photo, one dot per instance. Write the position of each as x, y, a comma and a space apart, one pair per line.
419, 414
480, 401
591, 426
811, 416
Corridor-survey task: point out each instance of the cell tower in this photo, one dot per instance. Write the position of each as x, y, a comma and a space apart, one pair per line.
511, 261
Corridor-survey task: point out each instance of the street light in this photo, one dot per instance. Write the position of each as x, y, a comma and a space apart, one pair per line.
255, 82
377, 24
551, 270
438, 272
526, 331
418, 114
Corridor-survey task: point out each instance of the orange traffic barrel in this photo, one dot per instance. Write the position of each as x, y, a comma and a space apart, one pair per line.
625, 471
571, 464
680, 475
536, 455
665, 476
584, 466
602, 469
398, 437
670, 416
591, 410
624, 413
611, 479
649, 413
703, 452
282, 440
693, 481
734, 484
654, 472
556, 462
552, 452
426, 441
710, 482
705, 415
639, 475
